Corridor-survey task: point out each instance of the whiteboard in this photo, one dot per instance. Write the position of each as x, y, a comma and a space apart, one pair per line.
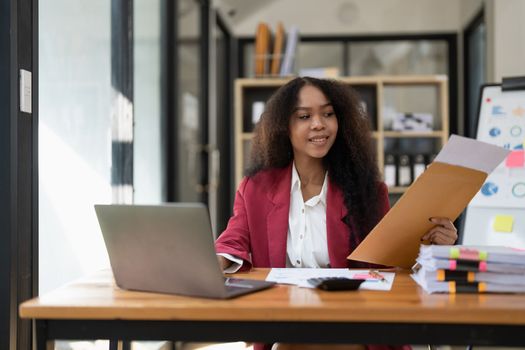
502, 197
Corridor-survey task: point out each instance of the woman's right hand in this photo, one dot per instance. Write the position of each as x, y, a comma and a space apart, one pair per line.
223, 262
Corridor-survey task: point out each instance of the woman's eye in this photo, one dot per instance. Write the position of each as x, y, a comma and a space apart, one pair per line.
304, 116
329, 114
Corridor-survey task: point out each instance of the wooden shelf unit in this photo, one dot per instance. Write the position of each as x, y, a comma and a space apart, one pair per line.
372, 89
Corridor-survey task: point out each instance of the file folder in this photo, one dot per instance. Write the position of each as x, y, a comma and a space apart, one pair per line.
443, 190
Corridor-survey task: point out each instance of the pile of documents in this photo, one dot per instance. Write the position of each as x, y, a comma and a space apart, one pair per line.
470, 269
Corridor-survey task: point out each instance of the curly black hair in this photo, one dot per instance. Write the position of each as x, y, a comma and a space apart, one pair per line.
351, 161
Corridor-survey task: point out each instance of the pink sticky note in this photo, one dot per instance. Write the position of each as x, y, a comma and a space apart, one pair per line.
364, 276
515, 159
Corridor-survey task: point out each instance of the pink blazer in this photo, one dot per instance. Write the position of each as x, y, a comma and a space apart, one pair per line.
258, 229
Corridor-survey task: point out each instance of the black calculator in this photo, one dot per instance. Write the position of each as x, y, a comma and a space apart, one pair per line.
335, 283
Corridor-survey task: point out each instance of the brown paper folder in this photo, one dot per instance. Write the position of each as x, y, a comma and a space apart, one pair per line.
443, 190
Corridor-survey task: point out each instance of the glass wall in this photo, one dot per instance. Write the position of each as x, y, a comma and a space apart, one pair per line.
190, 128
398, 57
148, 157
361, 58
314, 55
74, 137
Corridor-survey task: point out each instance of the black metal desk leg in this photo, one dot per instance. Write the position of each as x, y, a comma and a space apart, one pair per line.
42, 343
119, 344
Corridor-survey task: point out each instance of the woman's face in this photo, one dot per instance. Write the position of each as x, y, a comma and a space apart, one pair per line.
313, 124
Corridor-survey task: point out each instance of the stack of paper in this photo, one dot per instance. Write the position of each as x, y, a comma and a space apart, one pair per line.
470, 269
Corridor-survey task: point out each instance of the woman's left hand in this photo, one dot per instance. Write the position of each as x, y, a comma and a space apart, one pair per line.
444, 233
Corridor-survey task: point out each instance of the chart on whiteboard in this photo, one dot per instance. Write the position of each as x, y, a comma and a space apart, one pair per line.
502, 123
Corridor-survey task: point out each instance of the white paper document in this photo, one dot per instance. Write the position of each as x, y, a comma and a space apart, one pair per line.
299, 277
472, 154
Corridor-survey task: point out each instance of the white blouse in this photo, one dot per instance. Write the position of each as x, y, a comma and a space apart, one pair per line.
306, 244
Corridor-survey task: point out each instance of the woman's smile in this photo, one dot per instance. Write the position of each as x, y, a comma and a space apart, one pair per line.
319, 140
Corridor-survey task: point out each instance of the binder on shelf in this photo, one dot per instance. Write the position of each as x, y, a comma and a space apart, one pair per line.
262, 46
418, 165
443, 190
390, 170
257, 111
277, 50
289, 54
404, 178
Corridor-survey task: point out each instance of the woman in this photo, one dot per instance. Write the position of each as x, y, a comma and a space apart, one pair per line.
313, 191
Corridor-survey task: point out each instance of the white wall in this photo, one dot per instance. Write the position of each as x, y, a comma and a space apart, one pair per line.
505, 38
467, 10
75, 130
345, 17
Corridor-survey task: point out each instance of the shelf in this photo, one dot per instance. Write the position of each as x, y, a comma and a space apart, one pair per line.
247, 136
382, 95
397, 189
396, 79
262, 82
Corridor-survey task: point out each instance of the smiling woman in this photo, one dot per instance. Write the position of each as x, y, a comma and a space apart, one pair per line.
313, 191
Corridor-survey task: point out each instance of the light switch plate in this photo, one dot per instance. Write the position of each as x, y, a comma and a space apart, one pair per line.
25, 91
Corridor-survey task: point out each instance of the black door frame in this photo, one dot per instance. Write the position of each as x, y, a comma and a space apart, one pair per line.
169, 64
169, 103
19, 170
226, 180
467, 88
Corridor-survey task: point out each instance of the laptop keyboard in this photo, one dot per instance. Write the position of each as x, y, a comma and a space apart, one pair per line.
236, 284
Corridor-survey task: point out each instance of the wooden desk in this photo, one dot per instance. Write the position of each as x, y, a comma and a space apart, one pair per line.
93, 308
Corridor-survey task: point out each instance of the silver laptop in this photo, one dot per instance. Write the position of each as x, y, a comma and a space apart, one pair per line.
167, 248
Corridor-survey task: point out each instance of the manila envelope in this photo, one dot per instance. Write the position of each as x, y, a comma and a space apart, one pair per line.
443, 190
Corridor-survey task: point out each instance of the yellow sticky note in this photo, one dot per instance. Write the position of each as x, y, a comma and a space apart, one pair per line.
503, 223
